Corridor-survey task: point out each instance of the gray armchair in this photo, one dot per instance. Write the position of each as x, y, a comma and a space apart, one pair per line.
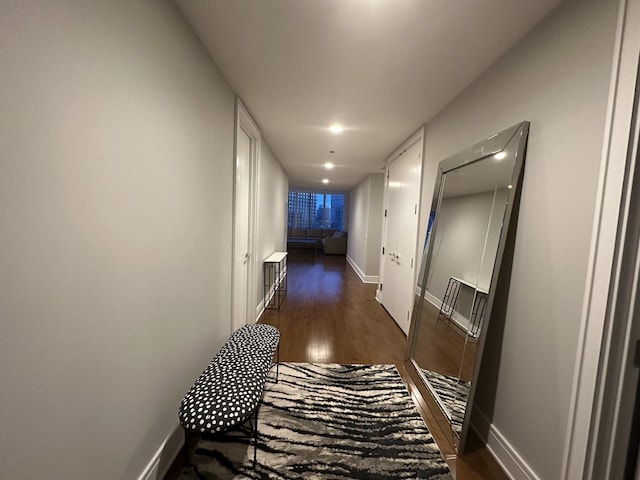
335, 245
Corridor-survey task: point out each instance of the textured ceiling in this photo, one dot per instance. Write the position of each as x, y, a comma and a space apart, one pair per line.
381, 68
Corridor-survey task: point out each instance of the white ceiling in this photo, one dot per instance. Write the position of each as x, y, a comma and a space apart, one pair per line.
381, 68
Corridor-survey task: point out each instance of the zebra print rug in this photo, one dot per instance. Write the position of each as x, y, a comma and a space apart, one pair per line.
453, 394
329, 421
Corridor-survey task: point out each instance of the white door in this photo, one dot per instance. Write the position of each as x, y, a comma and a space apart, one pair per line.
242, 250
389, 271
403, 196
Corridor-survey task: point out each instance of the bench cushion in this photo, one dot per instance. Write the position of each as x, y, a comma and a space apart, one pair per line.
229, 390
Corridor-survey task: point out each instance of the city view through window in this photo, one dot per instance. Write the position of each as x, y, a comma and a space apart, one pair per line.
315, 210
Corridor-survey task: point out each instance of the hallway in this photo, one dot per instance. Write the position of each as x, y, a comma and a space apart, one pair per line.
330, 316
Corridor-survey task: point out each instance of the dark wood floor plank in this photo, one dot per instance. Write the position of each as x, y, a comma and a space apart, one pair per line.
442, 346
330, 316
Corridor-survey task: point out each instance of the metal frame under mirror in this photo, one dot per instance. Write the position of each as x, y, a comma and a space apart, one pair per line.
468, 222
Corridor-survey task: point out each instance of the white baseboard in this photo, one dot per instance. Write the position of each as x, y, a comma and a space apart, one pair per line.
151, 472
360, 273
502, 451
462, 321
259, 311
159, 465
431, 299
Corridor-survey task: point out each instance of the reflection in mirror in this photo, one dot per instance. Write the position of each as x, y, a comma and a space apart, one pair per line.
465, 237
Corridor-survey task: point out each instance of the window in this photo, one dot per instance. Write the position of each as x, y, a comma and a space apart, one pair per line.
315, 210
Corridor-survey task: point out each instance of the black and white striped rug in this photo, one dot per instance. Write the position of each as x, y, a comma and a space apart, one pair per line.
329, 421
453, 394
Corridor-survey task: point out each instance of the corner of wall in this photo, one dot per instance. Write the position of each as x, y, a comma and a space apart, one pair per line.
162, 460
365, 278
501, 450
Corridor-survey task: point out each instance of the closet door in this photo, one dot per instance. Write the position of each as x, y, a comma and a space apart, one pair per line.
403, 196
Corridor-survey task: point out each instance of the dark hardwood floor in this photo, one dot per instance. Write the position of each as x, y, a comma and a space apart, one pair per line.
443, 347
330, 316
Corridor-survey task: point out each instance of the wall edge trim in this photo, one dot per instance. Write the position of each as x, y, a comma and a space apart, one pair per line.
364, 278
152, 471
502, 450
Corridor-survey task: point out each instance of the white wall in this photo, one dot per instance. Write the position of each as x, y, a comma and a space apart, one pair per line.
557, 77
365, 227
493, 238
346, 209
465, 223
358, 224
115, 204
273, 190
374, 229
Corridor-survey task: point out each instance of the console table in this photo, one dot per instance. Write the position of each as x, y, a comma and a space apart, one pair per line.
478, 307
275, 280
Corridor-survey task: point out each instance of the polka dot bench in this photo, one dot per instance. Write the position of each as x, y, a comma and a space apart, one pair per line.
228, 393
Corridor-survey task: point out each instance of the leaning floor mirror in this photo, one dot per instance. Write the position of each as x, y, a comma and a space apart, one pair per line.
468, 222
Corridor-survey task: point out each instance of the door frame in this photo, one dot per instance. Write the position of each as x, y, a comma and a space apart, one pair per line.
418, 136
245, 122
599, 412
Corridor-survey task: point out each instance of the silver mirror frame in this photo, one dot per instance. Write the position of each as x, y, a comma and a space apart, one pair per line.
513, 139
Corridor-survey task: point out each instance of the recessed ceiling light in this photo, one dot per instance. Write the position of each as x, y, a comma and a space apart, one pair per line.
500, 155
328, 165
336, 128
510, 186
325, 180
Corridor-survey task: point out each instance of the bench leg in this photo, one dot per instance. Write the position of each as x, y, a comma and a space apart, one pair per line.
187, 459
255, 437
185, 449
253, 423
278, 362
